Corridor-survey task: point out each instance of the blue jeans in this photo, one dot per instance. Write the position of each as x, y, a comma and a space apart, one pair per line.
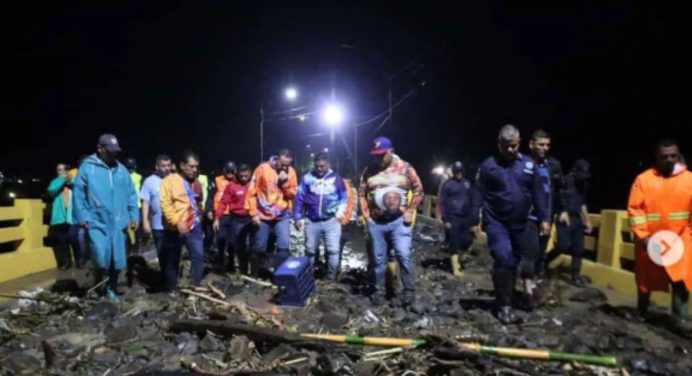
281, 228
158, 236
173, 247
399, 235
331, 231
260, 243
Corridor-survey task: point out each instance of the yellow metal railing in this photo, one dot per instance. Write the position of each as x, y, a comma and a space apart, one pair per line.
21, 235
612, 245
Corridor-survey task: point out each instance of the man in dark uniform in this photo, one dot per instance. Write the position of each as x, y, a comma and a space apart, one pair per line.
456, 214
574, 219
550, 171
507, 187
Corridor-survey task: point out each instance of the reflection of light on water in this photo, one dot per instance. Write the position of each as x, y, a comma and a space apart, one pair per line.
350, 259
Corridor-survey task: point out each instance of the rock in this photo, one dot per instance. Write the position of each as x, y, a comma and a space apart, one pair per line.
73, 342
187, 344
121, 334
239, 348
334, 320
279, 352
22, 363
106, 355
418, 308
590, 295
210, 343
102, 311
423, 323
333, 364
398, 315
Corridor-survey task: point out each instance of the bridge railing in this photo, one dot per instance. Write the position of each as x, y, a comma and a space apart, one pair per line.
609, 260
21, 240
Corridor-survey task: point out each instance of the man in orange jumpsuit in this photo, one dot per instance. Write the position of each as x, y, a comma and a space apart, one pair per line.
661, 199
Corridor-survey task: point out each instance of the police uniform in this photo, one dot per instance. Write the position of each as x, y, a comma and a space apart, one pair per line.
455, 196
570, 238
507, 191
552, 181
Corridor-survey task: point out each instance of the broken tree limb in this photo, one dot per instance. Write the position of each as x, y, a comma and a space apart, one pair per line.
258, 282
247, 313
216, 291
254, 333
514, 352
97, 286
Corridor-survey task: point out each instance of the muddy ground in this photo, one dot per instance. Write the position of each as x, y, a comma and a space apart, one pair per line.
72, 332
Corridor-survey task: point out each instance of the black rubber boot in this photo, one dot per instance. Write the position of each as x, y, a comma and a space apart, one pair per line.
504, 289
254, 265
643, 303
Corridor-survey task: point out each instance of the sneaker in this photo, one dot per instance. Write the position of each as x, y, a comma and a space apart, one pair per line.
112, 295
506, 316
682, 324
579, 281
408, 298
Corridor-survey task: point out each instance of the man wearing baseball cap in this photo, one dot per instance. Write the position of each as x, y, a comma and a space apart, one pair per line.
388, 213
105, 204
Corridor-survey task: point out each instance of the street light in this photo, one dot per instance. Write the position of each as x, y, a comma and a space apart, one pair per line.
291, 93
326, 150
333, 115
439, 170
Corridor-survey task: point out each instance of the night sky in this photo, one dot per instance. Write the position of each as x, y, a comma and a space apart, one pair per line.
606, 80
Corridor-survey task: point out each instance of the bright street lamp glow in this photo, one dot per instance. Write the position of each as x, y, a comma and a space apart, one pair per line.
291, 93
302, 117
326, 150
439, 170
333, 115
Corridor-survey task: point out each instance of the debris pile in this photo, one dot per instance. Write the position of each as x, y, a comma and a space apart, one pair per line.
233, 325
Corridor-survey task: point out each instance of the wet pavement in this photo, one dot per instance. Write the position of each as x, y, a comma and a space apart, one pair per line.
74, 332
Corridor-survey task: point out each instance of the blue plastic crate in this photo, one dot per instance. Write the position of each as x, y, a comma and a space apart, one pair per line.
295, 280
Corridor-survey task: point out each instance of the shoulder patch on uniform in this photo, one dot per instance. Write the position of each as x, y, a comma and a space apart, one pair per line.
529, 164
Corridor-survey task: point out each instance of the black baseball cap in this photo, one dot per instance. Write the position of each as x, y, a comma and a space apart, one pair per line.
109, 142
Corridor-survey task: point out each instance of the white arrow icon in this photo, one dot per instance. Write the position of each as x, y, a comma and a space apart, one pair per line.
665, 248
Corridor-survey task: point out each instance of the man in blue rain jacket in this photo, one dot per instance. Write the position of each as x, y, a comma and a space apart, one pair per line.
105, 203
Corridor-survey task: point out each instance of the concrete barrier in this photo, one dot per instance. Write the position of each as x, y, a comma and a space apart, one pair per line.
612, 245
21, 235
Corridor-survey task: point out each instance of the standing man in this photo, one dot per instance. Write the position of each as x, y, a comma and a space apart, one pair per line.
105, 203
152, 221
550, 171
181, 205
661, 200
456, 214
321, 204
507, 187
62, 225
233, 202
272, 188
574, 219
389, 215
224, 233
